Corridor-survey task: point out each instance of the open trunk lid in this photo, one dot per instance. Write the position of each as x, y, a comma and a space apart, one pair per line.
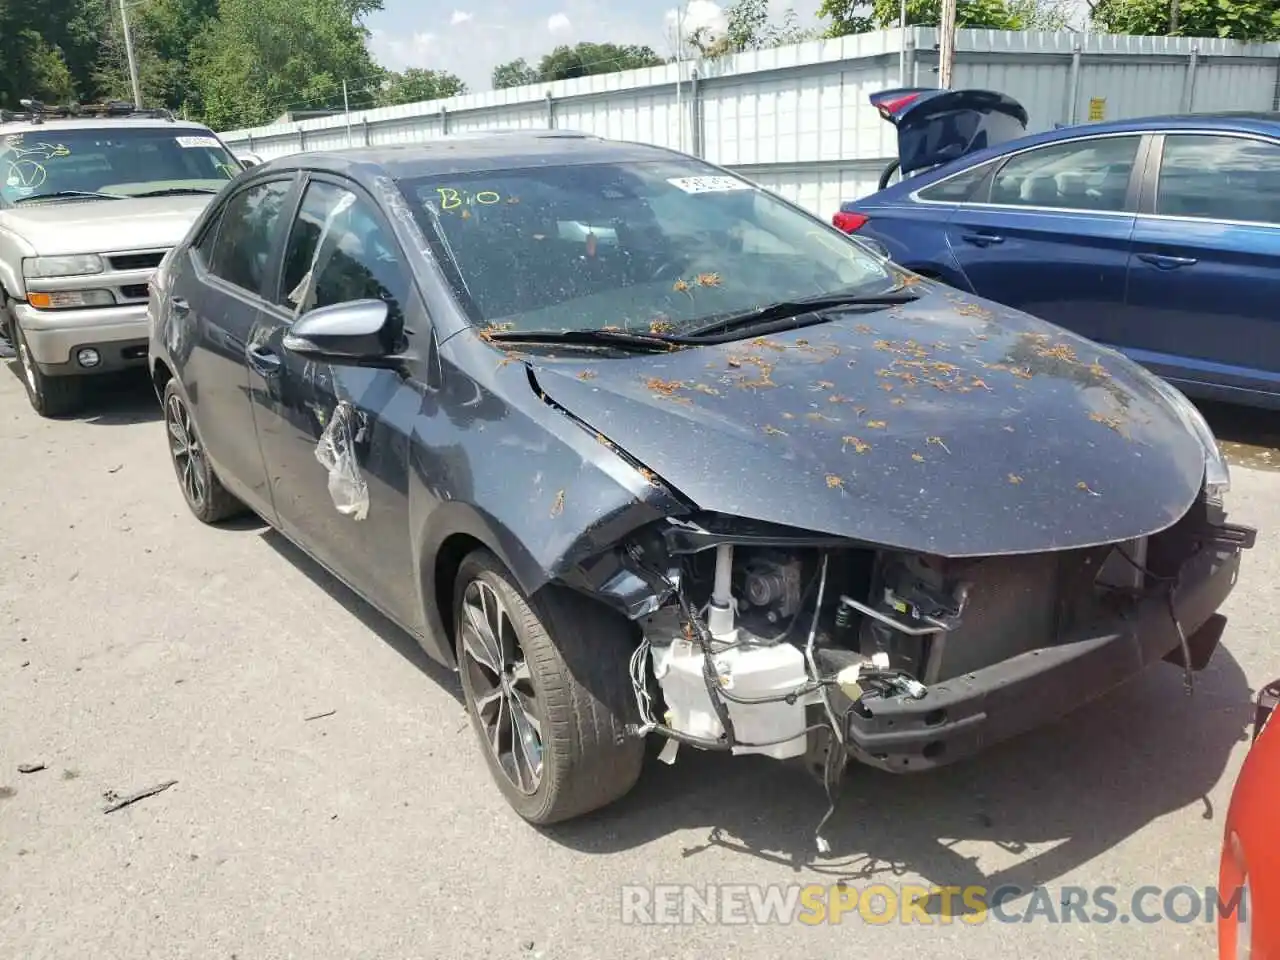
935, 126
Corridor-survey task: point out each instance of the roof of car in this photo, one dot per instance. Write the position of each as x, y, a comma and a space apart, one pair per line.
98, 123
1243, 121
476, 152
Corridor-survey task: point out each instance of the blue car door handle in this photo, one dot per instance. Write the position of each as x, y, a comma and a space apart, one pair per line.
264, 361
981, 239
1166, 263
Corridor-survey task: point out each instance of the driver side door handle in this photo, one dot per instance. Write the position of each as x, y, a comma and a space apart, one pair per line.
1166, 263
266, 362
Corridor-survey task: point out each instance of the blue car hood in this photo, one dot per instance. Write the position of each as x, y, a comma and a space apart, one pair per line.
950, 426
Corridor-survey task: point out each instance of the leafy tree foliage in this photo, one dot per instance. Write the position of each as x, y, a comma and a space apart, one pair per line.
581, 60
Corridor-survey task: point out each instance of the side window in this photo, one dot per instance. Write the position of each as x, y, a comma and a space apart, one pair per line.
1079, 175
957, 189
242, 240
1219, 178
340, 251
206, 243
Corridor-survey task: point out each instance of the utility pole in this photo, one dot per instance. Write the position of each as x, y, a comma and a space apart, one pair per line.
346, 108
902, 54
947, 43
128, 50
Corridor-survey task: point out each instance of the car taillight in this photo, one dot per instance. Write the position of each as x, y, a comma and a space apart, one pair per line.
849, 222
889, 107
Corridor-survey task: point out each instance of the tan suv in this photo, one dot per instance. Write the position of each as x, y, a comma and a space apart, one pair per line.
91, 199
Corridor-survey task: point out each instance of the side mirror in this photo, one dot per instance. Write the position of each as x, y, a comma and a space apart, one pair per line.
249, 160
355, 334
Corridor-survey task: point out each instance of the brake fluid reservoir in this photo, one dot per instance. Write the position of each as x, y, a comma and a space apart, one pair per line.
746, 671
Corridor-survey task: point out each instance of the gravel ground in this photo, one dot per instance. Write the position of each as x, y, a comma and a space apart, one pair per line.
139, 647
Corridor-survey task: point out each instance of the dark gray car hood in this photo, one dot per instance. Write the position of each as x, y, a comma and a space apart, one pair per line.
949, 426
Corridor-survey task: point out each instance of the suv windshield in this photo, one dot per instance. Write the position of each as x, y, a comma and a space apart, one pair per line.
119, 161
652, 246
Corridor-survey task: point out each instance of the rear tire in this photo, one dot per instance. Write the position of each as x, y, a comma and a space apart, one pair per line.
49, 396
563, 660
204, 493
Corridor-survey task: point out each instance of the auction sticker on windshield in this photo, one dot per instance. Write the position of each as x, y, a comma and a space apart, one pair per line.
708, 184
191, 142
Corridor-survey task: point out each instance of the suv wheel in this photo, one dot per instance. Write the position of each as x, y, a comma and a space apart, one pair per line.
548, 689
206, 497
49, 396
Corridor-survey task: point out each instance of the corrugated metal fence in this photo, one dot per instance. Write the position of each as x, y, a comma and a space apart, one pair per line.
797, 119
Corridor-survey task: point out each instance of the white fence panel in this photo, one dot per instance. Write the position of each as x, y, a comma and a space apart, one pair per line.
797, 119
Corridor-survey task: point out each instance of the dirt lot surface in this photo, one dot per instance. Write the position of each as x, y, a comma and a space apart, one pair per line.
138, 647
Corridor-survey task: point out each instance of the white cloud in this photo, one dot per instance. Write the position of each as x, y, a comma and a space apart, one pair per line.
460, 16
415, 50
702, 15
558, 23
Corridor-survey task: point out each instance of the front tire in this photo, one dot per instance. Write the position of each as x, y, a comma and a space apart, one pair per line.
204, 493
49, 396
548, 689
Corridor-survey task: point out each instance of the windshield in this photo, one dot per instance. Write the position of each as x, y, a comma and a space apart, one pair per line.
655, 246
120, 162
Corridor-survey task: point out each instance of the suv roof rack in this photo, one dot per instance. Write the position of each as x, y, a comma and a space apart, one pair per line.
36, 112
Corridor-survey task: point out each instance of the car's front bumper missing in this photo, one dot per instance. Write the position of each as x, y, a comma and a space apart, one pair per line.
962, 716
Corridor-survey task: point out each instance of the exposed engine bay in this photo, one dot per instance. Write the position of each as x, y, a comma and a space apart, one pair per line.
764, 647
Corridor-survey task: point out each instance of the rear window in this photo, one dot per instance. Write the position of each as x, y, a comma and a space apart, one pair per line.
957, 189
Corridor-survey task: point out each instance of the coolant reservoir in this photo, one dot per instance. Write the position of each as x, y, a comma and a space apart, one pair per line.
745, 671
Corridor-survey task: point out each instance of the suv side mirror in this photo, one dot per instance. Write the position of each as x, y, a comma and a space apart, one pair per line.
248, 160
357, 333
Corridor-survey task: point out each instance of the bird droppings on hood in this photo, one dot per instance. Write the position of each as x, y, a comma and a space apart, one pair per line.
557, 506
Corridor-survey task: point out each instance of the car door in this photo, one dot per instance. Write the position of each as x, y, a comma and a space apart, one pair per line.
220, 292
340, 248
1051, 232
1204, 276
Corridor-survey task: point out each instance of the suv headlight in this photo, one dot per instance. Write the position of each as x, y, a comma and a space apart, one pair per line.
1217, 475
81, 265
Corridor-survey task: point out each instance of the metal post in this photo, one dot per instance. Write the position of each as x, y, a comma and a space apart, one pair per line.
551, 111
128, 52
695, 104
902, 53
365, 127
1073, 87
679, 73
1189, 84
444, 122
913, 65
346, 109
947, 44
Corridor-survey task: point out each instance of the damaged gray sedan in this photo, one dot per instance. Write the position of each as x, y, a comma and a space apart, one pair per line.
648, 453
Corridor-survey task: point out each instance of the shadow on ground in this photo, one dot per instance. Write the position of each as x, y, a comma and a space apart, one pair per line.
1249, 436
342, 595
111, 399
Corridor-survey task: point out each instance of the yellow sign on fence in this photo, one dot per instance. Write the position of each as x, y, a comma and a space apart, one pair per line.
1097, 108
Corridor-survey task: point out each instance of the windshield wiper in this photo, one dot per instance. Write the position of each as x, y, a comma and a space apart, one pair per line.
174, 192
788, 309
62, 194
647, 342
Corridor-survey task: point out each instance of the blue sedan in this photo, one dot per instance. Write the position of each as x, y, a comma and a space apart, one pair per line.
1157, 236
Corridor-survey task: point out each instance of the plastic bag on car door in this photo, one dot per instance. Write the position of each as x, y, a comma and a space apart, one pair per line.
337, 452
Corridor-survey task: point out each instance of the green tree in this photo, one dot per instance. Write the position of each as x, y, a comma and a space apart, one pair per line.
1231, 19
517, 73
259, 58
48, 49
586, 59
857, 16
416, 85
749, 27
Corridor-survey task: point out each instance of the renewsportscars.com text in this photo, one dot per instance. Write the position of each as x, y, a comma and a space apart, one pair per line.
881, 903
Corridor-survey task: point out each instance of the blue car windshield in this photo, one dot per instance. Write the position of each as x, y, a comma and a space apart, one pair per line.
115, 161
646, 246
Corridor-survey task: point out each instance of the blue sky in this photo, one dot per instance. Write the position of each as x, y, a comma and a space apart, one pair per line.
470, 37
